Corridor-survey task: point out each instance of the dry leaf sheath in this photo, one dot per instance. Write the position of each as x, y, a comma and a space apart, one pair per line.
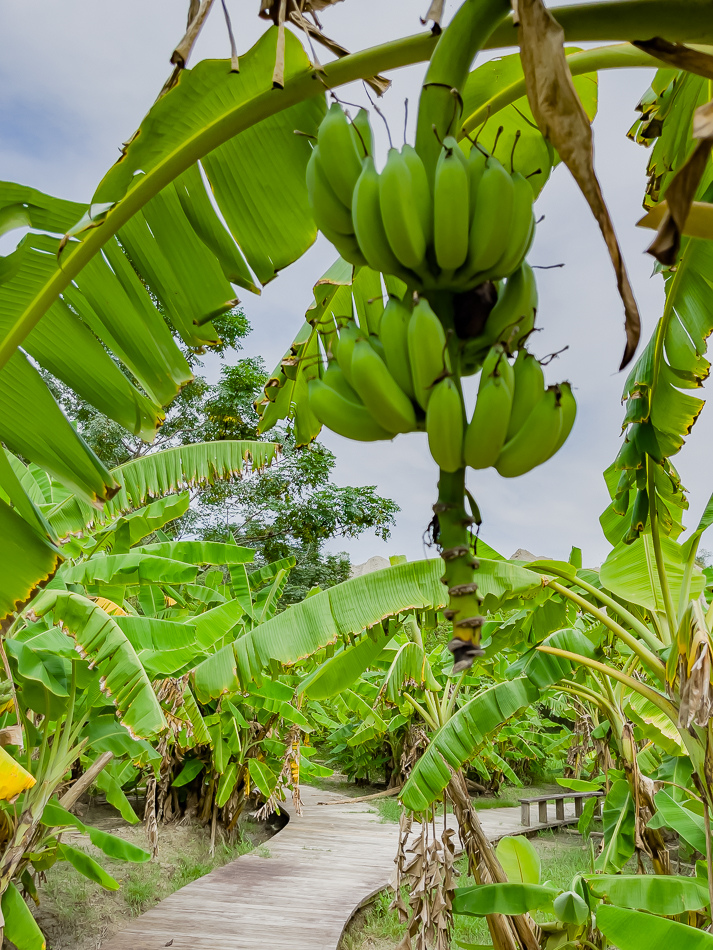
562, 119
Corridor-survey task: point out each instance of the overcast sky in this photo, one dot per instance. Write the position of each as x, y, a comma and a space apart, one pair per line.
75, 80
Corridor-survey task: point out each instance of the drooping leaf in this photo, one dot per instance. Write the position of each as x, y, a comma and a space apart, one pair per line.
100, 638
665, 895
55, 816
87, 866
618, 823
632, 929
20, 926
510, 899
343, 668
460, 738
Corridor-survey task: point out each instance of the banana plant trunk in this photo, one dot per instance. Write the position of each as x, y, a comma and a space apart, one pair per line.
518, 932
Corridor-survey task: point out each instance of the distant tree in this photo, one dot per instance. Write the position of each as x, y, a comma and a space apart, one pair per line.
291, 508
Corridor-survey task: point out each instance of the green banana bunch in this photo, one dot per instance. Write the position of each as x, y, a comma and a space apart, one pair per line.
475, 224
341, 412
427, 350
486, 432
542, 434
444, 425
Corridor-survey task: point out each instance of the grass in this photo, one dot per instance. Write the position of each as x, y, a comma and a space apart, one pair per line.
378, 928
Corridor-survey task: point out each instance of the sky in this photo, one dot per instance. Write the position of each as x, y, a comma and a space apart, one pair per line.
76, 79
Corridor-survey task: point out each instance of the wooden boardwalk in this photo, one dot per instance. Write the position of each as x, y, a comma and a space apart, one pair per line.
321, 868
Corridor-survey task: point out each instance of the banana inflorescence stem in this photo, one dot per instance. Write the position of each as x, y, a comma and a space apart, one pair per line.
463, 610
440, 106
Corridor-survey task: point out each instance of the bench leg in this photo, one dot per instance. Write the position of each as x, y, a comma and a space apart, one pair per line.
525, 814
559, 809
542, 809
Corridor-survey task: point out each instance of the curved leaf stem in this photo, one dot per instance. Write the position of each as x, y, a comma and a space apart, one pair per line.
646, 635
655, 697
421, 711
647, 657
593, 697
619, 56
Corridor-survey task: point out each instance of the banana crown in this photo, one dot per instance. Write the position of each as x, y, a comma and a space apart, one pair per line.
472, 223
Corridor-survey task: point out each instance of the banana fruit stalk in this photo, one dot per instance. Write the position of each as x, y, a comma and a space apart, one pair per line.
476, 223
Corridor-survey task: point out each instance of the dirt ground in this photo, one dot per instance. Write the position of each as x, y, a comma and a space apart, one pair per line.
77, 914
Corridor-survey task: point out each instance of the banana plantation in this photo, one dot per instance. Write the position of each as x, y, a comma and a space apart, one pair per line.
177, 642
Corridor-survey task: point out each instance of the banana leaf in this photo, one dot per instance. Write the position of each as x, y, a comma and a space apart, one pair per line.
634, 930
665, 895
672, 814
340, 671
20, 926
619, 826
128, 570
55, 816
510, 899
460, 738
629, 572
100, 639
519, 860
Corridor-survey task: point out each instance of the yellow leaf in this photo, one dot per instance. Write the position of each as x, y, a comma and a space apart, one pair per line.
13, 778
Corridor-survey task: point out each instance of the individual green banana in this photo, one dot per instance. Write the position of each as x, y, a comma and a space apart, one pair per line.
342, 160
420, 190
361, 129
393, 331
427, 350
327, 208
444, 425
347, 246
348, 335
350, 419
398, 212
477, 161
368, 224
451, 209
379, 391
534, 443
522, 229
486, 432
529, 389
492, 216
335, 378
568, 407
514, 313
376, 345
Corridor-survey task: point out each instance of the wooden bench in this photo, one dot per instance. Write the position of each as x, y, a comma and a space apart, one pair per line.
559, 798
